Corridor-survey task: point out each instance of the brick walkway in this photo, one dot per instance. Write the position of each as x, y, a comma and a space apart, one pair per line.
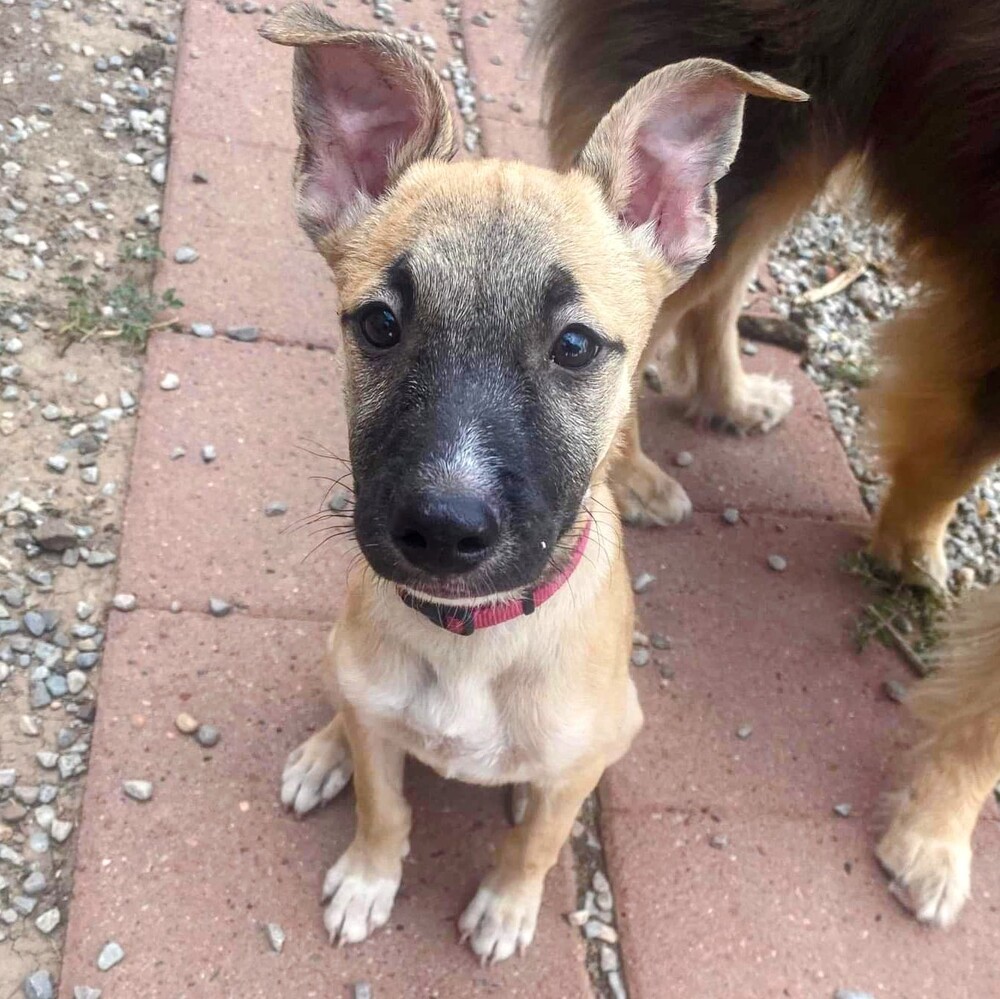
792, 905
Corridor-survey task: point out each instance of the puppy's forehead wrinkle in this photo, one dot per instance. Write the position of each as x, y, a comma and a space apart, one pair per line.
494, 277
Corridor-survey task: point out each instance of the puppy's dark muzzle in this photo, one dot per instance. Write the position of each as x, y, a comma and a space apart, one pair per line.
444, 534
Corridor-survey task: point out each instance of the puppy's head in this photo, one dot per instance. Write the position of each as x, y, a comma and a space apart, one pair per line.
494, 314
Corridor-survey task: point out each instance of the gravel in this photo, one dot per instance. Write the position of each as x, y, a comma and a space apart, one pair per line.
777, 562
731, 515
894, 690
642, 582
48, 921
244, 334
683, 459
39, 985
34, 884
640, 657
843, 810
275, 937
218, 607
852, 994
125, 602
170, 382
207, 736
111, 954
185, 724
138, 790
616, 986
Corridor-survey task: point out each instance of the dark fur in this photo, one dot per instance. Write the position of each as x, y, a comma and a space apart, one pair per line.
915, 84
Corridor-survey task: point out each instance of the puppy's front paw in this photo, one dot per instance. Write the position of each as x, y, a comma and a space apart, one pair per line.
931, 876
360, 896
499, 921
758, 404
646, 495
317, 771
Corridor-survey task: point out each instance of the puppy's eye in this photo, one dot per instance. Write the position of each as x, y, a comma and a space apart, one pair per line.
379, 326
575, 347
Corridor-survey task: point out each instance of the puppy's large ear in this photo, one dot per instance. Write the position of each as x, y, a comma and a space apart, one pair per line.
659, 151
367, 106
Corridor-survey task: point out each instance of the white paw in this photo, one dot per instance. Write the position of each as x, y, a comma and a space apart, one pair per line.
497, 923
931, 877
316, 772
360, 898
760, 404
647, 496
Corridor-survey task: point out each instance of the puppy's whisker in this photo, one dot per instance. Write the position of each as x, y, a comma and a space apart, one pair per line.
334, 482
309, 519
332, 537
322, 452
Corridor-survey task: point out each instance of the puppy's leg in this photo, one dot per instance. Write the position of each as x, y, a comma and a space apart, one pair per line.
936, 409
361, 886
501, 917
927, 848
318, 770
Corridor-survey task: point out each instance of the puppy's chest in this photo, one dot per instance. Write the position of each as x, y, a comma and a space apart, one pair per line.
463, 725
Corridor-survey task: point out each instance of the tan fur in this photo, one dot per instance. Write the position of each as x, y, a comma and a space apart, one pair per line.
955, 766
934, 440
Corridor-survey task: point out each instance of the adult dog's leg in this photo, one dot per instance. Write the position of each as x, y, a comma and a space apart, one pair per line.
702, 316
927, 848
936, 407
501, 917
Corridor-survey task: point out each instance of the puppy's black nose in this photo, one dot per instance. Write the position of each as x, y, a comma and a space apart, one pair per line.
444, 534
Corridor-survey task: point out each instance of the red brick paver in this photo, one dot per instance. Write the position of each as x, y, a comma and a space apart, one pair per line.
194, 530
789, 903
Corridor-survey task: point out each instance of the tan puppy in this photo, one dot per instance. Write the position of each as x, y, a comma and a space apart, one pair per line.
494, 315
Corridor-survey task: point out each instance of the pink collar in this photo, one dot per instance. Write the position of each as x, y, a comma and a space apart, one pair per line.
467, 620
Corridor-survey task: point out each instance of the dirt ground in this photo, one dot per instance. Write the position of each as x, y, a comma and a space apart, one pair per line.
84, 102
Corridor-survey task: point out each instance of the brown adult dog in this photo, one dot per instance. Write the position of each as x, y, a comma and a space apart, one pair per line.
494, 315
913, 86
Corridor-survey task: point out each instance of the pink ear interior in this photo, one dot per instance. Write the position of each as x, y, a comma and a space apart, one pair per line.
359, 110
684, 144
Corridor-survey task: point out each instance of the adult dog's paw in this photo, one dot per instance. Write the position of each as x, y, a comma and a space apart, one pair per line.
930, 876
758, 405
646, 495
